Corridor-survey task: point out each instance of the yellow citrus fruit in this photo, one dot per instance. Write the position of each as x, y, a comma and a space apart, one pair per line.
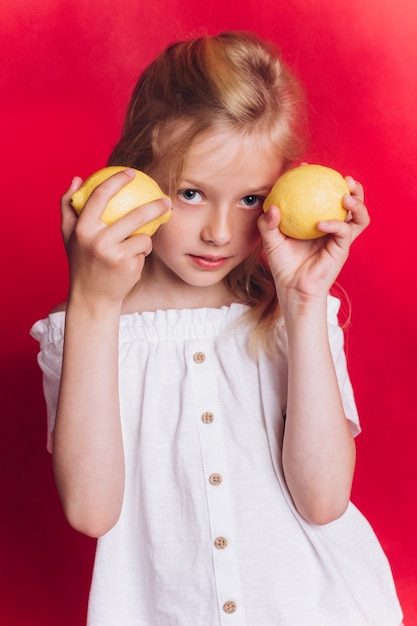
306, 195
140, 190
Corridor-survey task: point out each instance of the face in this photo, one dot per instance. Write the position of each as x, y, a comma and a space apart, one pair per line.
213, 227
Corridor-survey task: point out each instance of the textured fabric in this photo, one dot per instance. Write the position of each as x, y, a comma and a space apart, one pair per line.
208, 534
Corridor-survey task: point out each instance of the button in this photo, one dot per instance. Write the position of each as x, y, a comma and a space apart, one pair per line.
220, 543
215, 479
229, 607
207, 417
199, 357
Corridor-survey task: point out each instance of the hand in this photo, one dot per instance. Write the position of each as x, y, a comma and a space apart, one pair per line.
105, 262
305, 270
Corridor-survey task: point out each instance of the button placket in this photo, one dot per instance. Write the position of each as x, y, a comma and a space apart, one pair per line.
214, 458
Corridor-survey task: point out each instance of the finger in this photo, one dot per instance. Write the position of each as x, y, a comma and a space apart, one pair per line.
101, 195
346, 232
359, 216
138, 217
75, 185
269, 221
355, 187
138, 245
342, 231
268, 225
68, 215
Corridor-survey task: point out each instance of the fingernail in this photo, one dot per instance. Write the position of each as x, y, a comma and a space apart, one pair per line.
167, 201
75, 182
129, 172
350, 200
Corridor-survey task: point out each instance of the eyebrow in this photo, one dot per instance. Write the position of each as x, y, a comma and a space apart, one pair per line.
194, 184
260, 191
189, 183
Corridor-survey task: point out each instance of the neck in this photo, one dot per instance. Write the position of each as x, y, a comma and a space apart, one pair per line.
150, 294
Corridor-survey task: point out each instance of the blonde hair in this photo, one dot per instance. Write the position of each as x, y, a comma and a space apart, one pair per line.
233, 79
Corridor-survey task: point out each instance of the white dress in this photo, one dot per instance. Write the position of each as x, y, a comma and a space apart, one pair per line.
208, 534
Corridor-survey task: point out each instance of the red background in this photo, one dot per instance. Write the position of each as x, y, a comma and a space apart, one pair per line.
67, 72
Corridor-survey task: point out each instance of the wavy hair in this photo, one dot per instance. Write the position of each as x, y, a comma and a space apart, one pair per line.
235, 80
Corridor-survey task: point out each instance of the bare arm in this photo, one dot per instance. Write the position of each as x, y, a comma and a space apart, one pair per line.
88, 448
318, 448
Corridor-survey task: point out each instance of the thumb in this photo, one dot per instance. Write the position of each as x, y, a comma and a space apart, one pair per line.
68, 215
75, 185
268, 226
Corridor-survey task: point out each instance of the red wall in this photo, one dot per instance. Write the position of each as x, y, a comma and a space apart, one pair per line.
67, 72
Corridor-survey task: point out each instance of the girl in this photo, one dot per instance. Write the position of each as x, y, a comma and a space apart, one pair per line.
204, 415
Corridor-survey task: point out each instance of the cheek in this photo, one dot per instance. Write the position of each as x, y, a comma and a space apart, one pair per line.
168, 230
248, 229
169, 236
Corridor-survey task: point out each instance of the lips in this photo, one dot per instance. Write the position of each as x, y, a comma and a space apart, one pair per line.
208, 262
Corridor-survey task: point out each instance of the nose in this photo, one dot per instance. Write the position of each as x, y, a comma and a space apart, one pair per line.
217, 229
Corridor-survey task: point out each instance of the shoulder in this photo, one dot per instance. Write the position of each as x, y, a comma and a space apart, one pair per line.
59, 307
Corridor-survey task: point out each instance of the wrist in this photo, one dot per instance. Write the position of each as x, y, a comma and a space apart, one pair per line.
95, 309
295, 305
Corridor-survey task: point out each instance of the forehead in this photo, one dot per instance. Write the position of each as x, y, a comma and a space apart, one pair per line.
226, 153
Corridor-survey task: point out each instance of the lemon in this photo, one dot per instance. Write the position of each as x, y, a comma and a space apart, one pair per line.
306, 195
140, 190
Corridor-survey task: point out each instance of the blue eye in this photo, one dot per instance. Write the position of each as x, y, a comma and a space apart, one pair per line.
252, 201
192, 196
